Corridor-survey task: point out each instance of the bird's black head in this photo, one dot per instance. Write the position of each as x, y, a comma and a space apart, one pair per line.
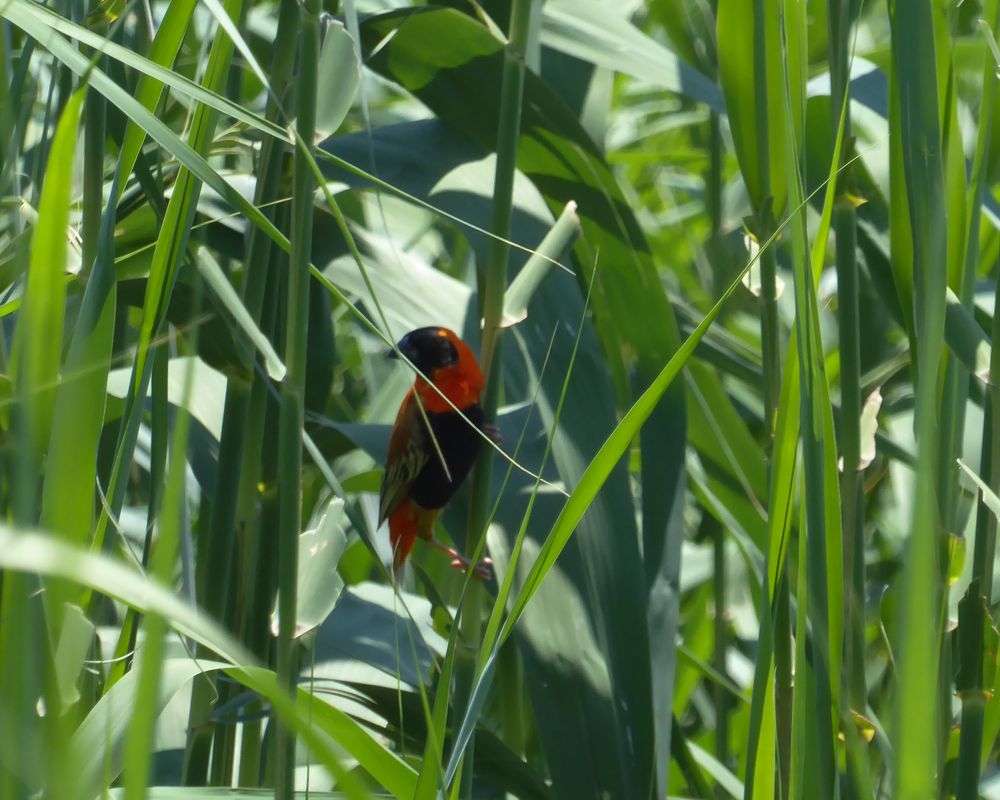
429, 349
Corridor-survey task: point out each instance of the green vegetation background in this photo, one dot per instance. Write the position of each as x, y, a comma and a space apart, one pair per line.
732, 268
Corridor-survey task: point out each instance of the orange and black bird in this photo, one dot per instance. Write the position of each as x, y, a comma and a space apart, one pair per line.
432, 448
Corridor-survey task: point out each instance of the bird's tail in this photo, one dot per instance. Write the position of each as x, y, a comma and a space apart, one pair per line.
407, 522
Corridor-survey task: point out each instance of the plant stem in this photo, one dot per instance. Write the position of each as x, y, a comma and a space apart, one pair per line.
854, 691
293, 387
969, 683
494, 286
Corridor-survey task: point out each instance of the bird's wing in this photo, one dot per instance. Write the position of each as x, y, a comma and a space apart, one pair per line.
408, 452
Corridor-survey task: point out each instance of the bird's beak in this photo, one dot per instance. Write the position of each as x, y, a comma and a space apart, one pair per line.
404, 347
393, 352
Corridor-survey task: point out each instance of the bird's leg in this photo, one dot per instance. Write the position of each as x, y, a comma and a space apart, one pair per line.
482, 568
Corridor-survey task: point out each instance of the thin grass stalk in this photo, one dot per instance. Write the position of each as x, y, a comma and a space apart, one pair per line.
170, 249
954, 400
494, 287
771, 363
222, 539
760, 782
917, 714
816, 564
20, 87
269, 169
721, 643
293, 387
803, 719
37, 164
139, 743
173, 240
969, 682
222, 546
20, 666
953, 404
954, 394
769, 333
160, 435
783, 683
854, 692
254, 580
257, 551
714, 187
94, 133
761, 772
258, 548
255, 586
159, 439
508, 134
260, 613
258, 563
8, 130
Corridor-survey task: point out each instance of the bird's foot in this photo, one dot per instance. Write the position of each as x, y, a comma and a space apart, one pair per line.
482, 568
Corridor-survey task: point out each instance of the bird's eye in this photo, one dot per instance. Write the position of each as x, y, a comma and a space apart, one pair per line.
449, 354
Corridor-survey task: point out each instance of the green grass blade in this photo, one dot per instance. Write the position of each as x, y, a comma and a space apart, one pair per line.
292, 403
604, 462
139, 744
318, 723
38, 339
915, 772
217, 281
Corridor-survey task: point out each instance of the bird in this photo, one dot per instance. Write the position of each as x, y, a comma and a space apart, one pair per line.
431, 447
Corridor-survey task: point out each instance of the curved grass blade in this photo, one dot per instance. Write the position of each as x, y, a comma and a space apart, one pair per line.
316, 722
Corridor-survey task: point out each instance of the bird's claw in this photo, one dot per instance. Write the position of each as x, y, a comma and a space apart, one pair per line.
482, 569
493, 434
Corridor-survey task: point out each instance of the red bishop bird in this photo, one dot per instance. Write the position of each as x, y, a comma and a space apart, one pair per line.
432, 448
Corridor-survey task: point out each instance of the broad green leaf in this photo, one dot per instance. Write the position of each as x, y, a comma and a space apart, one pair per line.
75, 639
99, 739
723, 777
391, 632
205, 403
600, 34
210, 270
519, 293
315, 722
319, 585
339, 77
966, 338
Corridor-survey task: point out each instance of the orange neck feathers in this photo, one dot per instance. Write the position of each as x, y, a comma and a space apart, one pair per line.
460, 383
